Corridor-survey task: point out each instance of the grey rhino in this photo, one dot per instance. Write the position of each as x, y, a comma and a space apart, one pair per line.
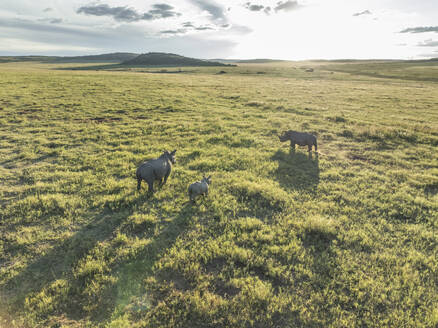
299, 138
199, 188
156, 170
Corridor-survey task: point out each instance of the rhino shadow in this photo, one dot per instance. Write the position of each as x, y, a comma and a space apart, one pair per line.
296, 170
60, 261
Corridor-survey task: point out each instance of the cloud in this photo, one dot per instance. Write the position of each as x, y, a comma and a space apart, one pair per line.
428, 43
12, 46
420, 29
188, 24
203, 28
186, 27
125, 14
252, 7
163, 7
365, 12
30, 27
162, 11
239, 29
216, 11
51, 20
286, 6
48, 9
33, 37
174, 32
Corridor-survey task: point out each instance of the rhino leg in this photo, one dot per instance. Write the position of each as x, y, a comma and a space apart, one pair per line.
165, 177
316, 146
309, 148
292, 145
138, 183
151, 187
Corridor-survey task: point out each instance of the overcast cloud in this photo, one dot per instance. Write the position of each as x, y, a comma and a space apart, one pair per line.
421, 29
283, 29
429, 43
286, 5
216, 11
365, 12
125, 14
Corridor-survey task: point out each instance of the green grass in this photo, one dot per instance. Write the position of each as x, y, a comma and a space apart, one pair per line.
419, 70
344, 239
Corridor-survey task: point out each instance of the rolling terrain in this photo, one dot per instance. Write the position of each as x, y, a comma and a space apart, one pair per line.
346, 238
116, 57
166, 59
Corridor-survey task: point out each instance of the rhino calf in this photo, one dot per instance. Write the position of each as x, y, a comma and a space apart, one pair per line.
157, 169
199, 188
299, 138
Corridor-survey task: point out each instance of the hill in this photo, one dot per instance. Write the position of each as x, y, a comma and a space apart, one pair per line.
116, 57
167, 59
11, 59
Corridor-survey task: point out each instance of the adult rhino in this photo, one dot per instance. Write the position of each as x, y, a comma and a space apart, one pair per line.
157, 169
299, 138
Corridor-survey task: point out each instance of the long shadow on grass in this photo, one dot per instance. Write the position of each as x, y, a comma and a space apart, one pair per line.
133, 271
297, 170
60, 262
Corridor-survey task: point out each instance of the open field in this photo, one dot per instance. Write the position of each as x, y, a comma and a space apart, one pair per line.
420, 70
348, 238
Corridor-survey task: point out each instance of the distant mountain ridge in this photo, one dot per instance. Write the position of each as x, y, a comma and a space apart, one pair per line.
116, 57
168, 59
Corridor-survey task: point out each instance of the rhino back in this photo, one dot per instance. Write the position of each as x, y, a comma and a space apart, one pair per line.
145, 171
153, 169
301, 138
195, 187
161, 167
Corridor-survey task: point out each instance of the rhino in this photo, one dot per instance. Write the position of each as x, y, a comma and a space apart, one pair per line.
299, 138
157, 169
199, 188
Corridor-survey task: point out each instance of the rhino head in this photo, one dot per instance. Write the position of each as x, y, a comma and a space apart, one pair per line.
170, 156
206, 180
284, 137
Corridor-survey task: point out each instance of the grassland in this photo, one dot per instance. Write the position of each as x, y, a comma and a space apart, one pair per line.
419, 70
344, 239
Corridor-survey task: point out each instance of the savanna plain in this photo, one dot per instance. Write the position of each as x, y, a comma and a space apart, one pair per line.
344, 238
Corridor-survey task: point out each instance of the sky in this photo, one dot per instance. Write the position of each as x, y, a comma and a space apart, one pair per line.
279, 29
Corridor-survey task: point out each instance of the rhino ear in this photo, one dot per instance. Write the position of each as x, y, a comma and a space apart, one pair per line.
173, 153
209, 177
